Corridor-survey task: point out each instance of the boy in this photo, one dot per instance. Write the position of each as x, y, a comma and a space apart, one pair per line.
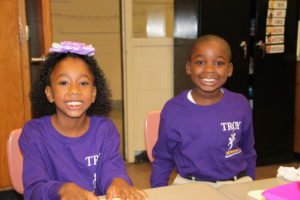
206, 132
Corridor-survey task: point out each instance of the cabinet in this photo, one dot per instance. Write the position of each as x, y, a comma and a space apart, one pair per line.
15, 67
14, 76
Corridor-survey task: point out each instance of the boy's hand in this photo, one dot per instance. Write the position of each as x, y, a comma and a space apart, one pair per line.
121, 189
73, 191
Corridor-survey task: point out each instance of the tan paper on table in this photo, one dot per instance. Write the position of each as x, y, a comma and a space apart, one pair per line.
256, 194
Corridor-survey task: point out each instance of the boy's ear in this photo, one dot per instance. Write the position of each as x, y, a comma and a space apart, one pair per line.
188, 67
49, 94
94, 94
230, 70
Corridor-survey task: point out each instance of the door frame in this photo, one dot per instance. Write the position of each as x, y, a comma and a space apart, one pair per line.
135, 50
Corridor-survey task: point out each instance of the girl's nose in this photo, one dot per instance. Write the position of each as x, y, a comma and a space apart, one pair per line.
74, 89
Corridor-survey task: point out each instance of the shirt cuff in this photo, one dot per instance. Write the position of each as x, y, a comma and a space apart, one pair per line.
54, 190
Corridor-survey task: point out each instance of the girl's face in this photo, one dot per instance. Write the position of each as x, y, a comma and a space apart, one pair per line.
209, 66
71, 88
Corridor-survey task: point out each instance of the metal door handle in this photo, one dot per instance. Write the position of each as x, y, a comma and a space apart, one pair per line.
244, 46
38, 60
261, 45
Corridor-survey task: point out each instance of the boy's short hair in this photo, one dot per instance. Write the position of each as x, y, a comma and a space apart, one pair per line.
211, 37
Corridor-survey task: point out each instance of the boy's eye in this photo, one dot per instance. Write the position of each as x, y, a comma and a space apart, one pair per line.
218, 63
63, 83
199, 62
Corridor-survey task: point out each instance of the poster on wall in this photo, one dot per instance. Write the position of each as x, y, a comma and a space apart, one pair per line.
276, 13
277, 4
279, 48
274, 39
272, 30
275, 22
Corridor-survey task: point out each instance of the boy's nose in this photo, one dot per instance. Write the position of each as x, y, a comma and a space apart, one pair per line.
209, 67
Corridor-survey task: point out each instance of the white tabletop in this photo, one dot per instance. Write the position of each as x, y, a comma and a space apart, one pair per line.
239, 191
188, 191
199, 191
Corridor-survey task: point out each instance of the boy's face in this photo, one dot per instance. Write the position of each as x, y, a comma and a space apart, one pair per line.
71, 88
209, 65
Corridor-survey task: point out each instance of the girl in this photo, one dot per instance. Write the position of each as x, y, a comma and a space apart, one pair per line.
71, 151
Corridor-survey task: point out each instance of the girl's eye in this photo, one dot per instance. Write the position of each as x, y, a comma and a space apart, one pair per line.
63, 83
84, 83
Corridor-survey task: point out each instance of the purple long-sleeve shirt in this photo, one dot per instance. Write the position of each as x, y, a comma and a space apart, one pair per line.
211, 143
91, 161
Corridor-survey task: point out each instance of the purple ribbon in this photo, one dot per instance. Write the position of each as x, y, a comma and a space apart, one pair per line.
73, 47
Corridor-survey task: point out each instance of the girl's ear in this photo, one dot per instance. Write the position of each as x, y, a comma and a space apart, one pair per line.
49, 94
94, 94
188, 67
230, 70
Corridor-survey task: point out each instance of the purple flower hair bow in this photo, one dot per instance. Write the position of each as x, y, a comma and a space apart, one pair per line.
73, 47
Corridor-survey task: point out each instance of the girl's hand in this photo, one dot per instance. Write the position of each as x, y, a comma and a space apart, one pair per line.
72, 191
121, 189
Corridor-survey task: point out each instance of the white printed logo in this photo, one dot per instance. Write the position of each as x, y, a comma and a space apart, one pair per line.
94, 181
231, 127
231, 140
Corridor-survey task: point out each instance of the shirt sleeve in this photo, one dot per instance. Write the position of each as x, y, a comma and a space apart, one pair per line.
163, 163
247, 144
37, 184
112, 165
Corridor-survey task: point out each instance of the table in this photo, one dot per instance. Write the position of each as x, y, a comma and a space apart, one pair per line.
199, 191
239, 191
186, 191
189, 191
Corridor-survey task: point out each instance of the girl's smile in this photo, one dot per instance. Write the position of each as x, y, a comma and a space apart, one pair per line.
74, 105
71, 88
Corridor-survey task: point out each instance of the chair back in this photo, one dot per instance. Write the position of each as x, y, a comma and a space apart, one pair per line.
151, 131
15, 160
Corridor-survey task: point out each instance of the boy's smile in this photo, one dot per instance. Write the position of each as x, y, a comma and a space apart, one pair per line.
209, 67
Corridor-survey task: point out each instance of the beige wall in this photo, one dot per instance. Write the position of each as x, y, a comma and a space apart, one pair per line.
96, 22
152, 14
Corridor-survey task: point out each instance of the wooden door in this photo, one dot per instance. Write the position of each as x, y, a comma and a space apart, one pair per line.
39, 23
14, 75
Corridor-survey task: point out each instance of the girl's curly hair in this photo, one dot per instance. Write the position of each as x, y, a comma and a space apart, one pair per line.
39, 102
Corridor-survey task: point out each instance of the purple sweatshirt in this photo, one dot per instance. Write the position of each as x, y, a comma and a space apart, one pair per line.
91, 161
211, 143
